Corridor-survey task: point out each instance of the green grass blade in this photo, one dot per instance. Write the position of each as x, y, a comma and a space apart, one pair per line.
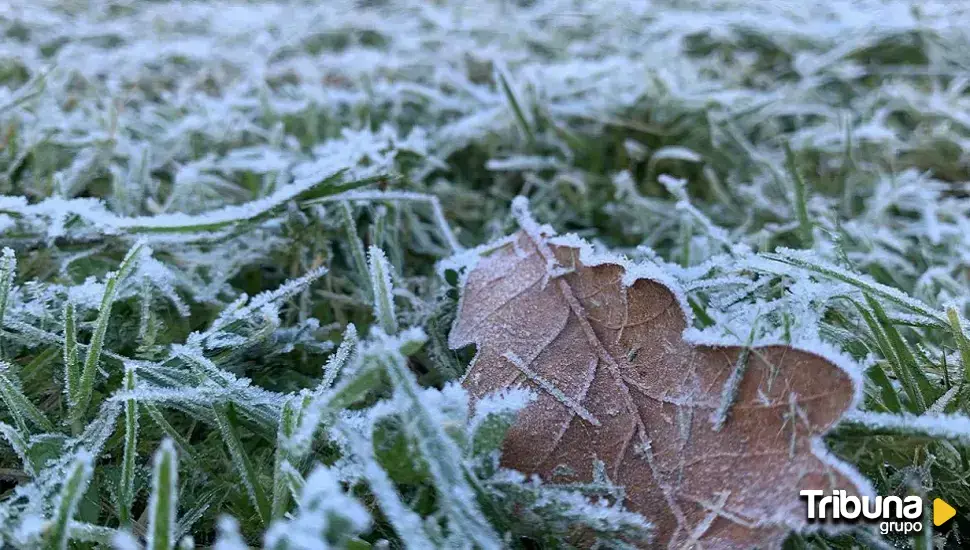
38, 364
17, 403
164, 499
922, 391
516, 107
801, 206
886, 350
886, 391
378, 228
184, 447
226, 418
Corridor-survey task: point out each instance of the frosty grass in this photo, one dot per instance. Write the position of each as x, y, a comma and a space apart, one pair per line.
224, 310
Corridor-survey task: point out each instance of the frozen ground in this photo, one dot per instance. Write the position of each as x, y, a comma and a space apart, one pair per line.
798, 167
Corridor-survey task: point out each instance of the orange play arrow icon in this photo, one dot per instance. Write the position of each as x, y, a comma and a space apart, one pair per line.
942, 512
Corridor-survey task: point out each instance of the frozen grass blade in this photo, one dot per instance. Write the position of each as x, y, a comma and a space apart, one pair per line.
353, 242
344, 354
126, 484
86, 382
289, 421
145, 319
293, 479
18, 444
87, 532
246, 214
901, 371
804, 261
887, 392
443, 458
323, 505
405, 197
184, 447
248, 398
956, 327
382, 290
516, 107
17, 403
801, 200
730, 390
902, 360
75, 484
378, 228
72, 365
226, 418
163, 503
26, 93
954, 427
192, 516
8, 268
407, 524
124, 540
229, 537
670, 153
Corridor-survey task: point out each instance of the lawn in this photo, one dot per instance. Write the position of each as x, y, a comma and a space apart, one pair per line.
236, 238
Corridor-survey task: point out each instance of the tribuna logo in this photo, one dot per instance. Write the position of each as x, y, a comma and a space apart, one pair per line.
894, 514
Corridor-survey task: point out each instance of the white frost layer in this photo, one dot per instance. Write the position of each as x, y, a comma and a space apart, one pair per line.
949, 426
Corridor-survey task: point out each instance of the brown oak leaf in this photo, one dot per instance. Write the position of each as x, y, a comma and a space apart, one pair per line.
599, 339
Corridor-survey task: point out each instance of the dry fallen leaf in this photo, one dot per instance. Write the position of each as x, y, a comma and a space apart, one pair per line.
602, 346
